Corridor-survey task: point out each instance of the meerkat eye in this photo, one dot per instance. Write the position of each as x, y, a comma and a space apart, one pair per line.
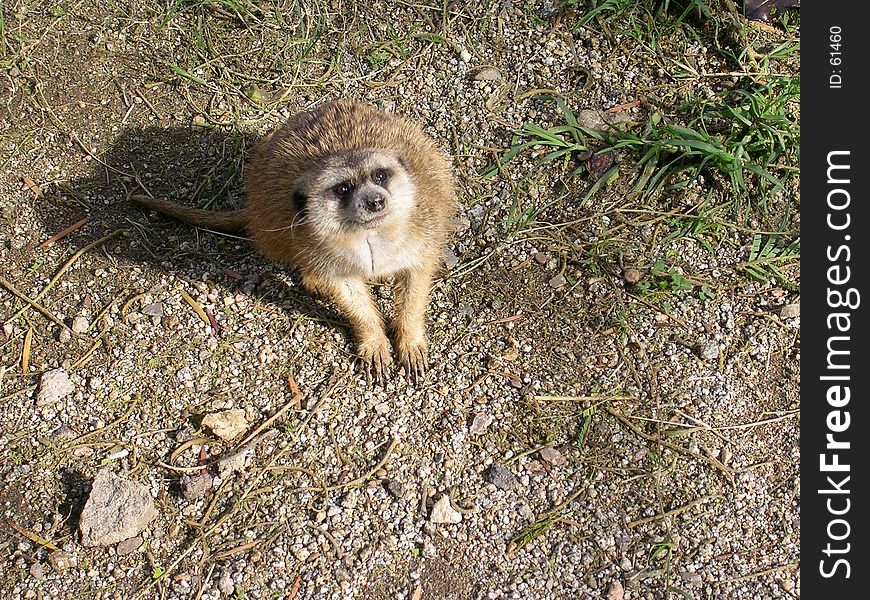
343, 189
380, 176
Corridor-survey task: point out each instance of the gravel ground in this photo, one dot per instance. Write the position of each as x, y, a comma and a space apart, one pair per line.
575, 438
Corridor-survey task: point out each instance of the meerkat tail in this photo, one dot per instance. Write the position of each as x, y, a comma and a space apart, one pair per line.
226, 221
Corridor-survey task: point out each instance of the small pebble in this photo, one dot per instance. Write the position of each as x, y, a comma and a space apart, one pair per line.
153, 310
789, 311
553, 456
709, 351
196, 486
80, 325
60, 561
128, 546
500, 476
632, 276
481, 423
37, 571
692, 578
443, 511
557, 282
615, 591
488, 74
54, 386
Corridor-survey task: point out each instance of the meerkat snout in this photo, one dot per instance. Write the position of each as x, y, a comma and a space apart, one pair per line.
370, 201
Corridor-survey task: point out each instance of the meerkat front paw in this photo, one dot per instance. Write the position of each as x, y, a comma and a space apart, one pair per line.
414, 358
375, 357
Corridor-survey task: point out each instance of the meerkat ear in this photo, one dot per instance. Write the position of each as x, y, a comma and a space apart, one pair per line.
299, 201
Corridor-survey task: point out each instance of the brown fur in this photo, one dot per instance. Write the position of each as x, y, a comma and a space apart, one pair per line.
287, 162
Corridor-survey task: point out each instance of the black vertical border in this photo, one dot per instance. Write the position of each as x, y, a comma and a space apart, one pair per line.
833, 119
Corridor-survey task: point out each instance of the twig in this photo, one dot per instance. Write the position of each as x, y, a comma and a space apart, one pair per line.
44, 311
17, 393
338, 553
253, 437
622, 107
204, 581
673, 512
86, 355
685, 428
362, 478
31, 536
102, 314
637, 431
85, 436
581, 398
516, 317
129, 302
63, 270
197, 441
25, 351
786, 567
292, 469
294, 401
295, 588
195, 305
63, 233
232, 511
211, 505
519, 455
474, 508
237, 549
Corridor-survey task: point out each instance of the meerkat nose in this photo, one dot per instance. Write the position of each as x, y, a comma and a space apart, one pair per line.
370, 201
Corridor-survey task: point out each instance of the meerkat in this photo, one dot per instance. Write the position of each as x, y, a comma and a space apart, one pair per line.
347, 194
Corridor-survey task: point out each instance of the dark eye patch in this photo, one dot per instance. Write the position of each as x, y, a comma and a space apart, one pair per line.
299, 201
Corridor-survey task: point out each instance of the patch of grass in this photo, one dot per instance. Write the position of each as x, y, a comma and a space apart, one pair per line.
745, 135
585, 424
543, 524
378, 58
668, 281
238, 594
243, 12
534, 531
4, 47
699, 227
36, 265
741, 136
563, 142
607, 8
770, 260
11, 41
669, 278
524, 211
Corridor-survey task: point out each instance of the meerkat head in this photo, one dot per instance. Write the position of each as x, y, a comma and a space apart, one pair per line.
355, 191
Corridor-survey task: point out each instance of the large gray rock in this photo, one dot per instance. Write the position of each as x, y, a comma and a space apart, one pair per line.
116, 510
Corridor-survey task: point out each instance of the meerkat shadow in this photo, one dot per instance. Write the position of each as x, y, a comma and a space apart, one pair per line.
191, 166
